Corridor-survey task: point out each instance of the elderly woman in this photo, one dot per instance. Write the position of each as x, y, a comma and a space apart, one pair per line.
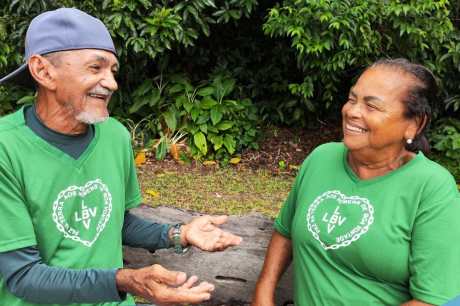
371, 221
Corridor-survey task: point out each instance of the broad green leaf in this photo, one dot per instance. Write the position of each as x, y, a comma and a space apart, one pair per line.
138, 103
216, 116
207, 102
170, 119
229, 143
216, 140
181, 100
224, 125
204, 117
200, 142
176, 88
154, 97
195, 113
204, 128
206, 91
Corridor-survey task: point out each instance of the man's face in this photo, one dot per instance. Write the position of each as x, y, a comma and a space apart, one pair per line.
85, 82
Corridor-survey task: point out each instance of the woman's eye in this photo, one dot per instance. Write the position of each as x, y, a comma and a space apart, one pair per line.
351, 101
372, 107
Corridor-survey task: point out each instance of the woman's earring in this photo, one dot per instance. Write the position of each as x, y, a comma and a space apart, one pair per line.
409, 141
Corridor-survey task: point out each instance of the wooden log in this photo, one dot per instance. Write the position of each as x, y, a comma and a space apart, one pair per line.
234, 271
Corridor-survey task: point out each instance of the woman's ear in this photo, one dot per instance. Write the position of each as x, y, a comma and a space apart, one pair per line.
43, 72
416, 125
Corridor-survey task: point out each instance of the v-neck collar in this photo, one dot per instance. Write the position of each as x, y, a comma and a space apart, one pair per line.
363, 182
56, 152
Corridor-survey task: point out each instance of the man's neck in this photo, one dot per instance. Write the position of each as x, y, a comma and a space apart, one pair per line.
57, 117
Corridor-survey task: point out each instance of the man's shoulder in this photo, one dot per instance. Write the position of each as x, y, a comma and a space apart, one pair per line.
114, 129
113, 124
10, 123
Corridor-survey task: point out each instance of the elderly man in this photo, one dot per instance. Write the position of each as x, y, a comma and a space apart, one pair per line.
67, 182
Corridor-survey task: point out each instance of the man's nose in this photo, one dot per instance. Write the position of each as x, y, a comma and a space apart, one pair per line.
109, 81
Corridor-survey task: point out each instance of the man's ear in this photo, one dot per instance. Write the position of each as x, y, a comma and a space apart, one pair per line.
43, 72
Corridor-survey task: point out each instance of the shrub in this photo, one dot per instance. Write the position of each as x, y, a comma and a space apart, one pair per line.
445, 139
334, 40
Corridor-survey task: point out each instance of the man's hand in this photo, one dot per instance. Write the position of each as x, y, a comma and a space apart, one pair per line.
204, 233
163, 287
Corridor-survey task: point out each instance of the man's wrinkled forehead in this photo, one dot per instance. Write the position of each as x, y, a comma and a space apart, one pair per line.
87, 56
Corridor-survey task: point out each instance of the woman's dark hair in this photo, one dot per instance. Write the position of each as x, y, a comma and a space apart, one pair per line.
421, 96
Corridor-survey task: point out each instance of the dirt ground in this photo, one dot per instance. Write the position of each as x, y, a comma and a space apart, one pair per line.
281, 151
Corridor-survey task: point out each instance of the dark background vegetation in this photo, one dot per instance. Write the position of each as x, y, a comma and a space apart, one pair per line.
213, 72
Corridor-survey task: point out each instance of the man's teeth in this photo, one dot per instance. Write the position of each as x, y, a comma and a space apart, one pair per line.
355, 129
97, 96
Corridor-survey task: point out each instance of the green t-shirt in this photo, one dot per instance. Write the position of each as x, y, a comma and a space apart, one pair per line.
381, 241
71, 209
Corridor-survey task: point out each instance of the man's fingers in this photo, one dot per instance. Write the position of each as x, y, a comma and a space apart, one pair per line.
196, 294
203, 287
172, 278
189, 283
218, 220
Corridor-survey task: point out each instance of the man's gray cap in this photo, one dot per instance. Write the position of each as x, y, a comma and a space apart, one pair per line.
60, 30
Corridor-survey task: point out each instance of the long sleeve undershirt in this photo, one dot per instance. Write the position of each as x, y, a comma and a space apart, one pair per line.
27, 277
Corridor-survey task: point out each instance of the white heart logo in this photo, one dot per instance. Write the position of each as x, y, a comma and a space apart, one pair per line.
336, 220
94, 191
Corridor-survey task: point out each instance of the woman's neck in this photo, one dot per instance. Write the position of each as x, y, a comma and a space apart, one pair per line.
367, 166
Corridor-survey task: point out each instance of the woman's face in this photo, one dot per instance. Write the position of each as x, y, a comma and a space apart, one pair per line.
372, 117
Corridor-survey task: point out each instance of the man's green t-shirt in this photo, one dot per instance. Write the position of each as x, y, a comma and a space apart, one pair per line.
381, 241
72, 209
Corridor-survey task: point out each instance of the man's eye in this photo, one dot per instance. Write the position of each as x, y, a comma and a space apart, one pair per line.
95, 67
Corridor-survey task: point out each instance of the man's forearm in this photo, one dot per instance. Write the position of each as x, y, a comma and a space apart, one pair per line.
141, 233
26, 277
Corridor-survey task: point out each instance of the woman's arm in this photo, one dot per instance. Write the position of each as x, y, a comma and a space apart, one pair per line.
279, 255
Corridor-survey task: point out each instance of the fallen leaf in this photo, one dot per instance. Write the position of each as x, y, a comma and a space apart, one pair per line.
235, 160
140, 158
209, 163
153, 193
294, 167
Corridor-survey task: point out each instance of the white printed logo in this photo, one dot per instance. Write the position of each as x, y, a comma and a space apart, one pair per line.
87, 214
336, 220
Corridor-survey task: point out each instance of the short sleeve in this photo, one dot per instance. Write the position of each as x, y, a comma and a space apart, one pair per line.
16, 227
435, 248
133, 195
284, 219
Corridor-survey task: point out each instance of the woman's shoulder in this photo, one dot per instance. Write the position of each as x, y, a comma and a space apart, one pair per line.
327, 153
431, 169
437, 180
328, 150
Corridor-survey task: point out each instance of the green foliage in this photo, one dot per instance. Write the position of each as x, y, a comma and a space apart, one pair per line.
217, 121
445, 139
335, 39
208, 68
11, 99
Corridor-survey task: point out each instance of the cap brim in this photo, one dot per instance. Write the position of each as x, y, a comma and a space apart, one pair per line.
20, 76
